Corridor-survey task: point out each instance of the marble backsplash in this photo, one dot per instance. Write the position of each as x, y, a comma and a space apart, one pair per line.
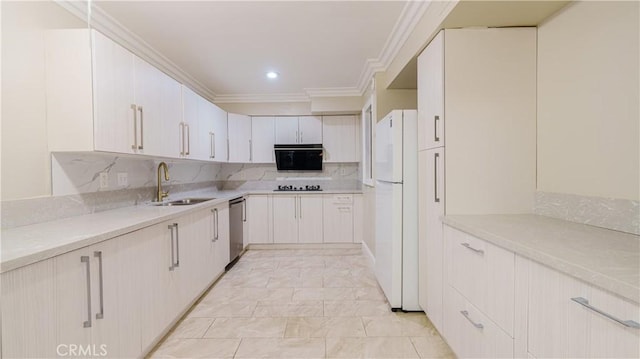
617, 214
76, 183
77, 173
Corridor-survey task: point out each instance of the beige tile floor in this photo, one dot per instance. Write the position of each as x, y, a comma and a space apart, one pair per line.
300, 304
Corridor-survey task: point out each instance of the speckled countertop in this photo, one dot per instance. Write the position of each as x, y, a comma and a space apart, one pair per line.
25, 245
605, 258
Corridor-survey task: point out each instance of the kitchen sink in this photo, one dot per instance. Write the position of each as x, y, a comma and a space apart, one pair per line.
182, 202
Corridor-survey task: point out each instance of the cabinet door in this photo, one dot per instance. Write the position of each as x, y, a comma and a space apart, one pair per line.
285, 219
87, 297
259, 219
239, 138
156, 312
222, 244
264, 139
192, 110
159, 106
220, 153
310, 129
431, 95
287, 130
338, 219
113, 93
430, 237
310, 222
339, 138
29, 313
130, 283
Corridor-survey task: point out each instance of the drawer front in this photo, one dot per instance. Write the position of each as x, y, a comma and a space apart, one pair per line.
484, 274
470, 333
468, 266
343, 198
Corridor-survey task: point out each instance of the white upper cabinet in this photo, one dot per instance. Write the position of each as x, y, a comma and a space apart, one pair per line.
286, 130
113, 92
299, 130
239, 138
219, 135
263, 139
103, 98
159, 109
431, 95
202, 134
340, 138
310, 129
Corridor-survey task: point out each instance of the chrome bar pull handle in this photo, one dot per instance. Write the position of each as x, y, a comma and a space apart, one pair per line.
244, 209
98, 254
181, 130
173, 257
250, 150
177, 245
436, 119
217, 226
141, 147
85, 259
135, 127
301, 138
300, 205
627, 323
188, 139
213, 145
466, 315
213, 222
436, 156
467, 245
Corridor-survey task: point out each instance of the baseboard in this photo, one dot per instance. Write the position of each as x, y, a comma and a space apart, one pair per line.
304, 246
370, 256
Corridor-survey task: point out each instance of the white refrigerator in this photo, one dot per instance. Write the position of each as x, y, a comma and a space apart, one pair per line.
396, 173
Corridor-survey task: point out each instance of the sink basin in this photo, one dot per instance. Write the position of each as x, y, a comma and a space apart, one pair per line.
182, 202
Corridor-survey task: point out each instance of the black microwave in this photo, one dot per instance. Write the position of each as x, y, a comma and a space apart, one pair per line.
307, 157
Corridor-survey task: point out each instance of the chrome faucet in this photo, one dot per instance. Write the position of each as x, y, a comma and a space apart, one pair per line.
160, 195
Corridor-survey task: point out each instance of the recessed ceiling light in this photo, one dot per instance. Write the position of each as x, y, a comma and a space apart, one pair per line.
272, 75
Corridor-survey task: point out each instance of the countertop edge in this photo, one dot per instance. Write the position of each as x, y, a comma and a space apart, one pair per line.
48, 253
590, 276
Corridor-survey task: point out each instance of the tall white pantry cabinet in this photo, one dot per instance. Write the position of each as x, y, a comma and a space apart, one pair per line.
477, 91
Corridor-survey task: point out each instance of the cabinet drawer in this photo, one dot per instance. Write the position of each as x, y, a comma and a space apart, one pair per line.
484, 274
342, 198
470, 333
569, 318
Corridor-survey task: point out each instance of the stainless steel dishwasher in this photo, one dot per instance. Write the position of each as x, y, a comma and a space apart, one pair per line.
237, 217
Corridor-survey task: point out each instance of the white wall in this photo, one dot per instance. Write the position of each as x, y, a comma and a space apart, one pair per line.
25, 158
588, 100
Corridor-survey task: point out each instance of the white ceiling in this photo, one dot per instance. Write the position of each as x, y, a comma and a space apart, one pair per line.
227, 46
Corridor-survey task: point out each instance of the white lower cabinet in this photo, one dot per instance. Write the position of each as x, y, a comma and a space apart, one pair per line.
569, 318
219, 241
29, 313
498, 304
338, 218
470, 333
479, 296
297, 218
259, 219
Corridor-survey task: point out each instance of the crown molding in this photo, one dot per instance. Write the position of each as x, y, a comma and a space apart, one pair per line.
333, 92
103, 22
261, 98
407, 21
